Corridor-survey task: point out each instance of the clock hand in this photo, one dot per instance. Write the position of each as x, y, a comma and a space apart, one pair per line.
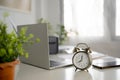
81, 59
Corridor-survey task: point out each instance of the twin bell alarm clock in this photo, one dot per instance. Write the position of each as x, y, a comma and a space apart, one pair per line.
82, 59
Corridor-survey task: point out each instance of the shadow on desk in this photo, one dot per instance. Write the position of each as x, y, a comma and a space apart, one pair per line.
82, 75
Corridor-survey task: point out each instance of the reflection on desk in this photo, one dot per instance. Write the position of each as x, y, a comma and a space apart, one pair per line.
27, 72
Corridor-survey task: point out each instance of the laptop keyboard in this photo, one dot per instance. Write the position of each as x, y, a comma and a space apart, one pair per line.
54, 63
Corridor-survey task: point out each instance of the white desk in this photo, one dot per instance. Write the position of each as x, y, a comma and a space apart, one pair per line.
27, 72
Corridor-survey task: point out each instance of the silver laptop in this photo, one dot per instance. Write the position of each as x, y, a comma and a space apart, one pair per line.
39, 52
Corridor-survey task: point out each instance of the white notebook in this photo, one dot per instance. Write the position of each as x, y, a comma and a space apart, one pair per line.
106, 62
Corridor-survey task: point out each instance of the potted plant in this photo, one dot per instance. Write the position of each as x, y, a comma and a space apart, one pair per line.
11, 47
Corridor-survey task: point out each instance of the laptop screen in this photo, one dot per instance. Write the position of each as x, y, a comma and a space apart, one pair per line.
38, 52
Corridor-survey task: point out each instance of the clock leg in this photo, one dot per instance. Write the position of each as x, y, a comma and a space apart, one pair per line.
87, 70
75, 69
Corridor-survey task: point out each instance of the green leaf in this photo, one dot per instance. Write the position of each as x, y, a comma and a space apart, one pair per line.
21, 53
10, 51
37, 40
26, 55
2, 52
5, 14
31, 35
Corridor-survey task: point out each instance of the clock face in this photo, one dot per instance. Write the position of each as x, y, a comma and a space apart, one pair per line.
81, 60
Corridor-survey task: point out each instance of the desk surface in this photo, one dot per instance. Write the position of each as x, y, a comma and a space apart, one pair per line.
27, 72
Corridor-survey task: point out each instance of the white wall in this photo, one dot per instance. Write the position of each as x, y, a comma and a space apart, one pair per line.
49, 10
54, 11
21, 18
